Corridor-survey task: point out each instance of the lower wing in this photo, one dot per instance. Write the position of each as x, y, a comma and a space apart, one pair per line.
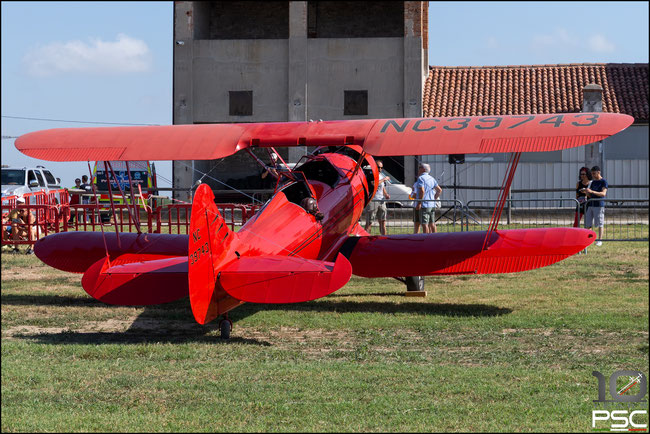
506, 251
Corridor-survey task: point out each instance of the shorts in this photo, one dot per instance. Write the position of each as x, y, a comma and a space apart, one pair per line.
595, 217
427, 215
416, 215
375, 209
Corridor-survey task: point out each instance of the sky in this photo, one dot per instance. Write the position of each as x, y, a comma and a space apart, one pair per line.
111, 62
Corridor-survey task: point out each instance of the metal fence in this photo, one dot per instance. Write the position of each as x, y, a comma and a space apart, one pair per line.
625, 219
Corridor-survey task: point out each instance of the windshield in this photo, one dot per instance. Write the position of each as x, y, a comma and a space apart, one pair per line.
393, 180
13, 177
49, 178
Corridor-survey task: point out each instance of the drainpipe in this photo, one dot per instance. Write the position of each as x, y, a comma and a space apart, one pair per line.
592, 101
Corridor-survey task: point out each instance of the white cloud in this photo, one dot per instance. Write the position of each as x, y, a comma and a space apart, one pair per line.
125, 55
492, 43
600, 44
559, 37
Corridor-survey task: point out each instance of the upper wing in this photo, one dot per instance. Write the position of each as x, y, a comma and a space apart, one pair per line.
414, 136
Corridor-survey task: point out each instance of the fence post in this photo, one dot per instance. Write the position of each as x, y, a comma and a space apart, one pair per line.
509, 214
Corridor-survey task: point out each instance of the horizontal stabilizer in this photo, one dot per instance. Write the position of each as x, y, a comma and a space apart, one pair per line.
76, 251
283, 279
411, 136
127, 281
507, 251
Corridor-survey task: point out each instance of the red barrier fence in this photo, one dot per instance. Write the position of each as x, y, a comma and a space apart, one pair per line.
53, 213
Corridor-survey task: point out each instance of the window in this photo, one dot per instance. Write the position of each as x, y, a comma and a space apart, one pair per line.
241, 20
13, 177
241, 103
355, 102
40, 179
49, 178
355, 19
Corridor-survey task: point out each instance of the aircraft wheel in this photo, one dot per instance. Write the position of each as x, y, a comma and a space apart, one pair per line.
225, 326
414, 283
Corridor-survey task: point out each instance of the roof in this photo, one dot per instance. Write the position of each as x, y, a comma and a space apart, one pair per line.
534, 89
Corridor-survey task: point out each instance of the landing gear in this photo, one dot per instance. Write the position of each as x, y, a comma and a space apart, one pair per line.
414, 283
225, 327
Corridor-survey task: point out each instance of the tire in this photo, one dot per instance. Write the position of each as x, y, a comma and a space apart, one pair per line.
414, 283
225, 326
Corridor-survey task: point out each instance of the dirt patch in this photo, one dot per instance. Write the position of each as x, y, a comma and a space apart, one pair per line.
34, 274
111, 325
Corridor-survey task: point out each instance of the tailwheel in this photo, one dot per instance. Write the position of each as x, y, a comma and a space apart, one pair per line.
414, 283
225, 327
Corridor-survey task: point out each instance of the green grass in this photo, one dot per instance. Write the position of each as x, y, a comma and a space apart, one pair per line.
511, 352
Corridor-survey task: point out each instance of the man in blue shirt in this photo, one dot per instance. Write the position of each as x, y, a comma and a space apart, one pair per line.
428, 190
595, 214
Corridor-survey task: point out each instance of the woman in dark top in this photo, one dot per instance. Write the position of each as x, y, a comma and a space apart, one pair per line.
584, 179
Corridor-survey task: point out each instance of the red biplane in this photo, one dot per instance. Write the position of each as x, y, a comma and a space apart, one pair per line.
305, 242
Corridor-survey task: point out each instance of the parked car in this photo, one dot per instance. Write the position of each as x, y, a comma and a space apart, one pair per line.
21, 180
399, 193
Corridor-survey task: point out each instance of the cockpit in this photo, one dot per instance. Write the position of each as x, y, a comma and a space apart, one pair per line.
296, 184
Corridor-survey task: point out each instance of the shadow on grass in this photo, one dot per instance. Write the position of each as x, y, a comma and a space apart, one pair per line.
128, 337
327, 304
147, 328
174, 323
48, 300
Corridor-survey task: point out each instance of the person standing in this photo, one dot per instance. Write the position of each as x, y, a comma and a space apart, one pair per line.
85, 200
274, 168
428, 191
584, 181
74, 200
595, 213
377, 206
416, 212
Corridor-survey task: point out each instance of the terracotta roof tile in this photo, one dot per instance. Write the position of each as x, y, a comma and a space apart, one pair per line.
524, 89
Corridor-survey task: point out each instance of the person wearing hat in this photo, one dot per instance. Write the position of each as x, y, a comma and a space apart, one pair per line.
595, 213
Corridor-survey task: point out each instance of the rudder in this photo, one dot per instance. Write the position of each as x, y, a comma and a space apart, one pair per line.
211, 244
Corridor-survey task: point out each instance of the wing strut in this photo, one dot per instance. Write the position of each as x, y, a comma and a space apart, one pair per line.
503, 194
359, 163
101, 226
110, 197
136, 214
131, 216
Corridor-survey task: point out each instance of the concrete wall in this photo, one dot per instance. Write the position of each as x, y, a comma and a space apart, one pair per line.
220, 66
335, 65
297, 74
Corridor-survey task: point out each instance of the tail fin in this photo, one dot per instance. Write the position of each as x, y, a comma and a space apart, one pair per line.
220, 278
211, 245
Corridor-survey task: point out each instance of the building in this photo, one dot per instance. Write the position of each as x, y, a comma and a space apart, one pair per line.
534, 89
294, 61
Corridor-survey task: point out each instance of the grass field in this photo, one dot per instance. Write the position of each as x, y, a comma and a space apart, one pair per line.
512, 352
